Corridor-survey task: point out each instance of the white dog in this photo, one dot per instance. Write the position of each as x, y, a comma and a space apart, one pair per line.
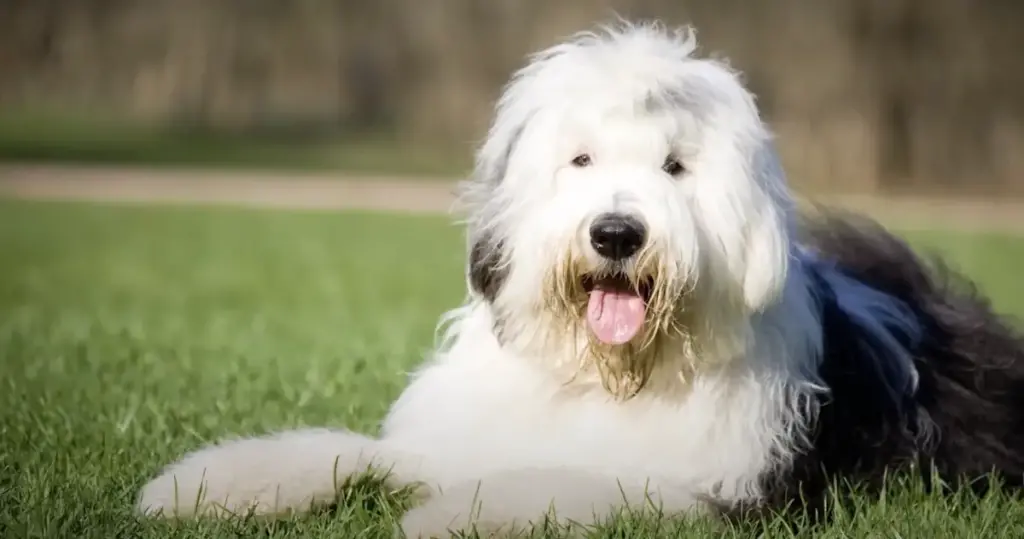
642, 327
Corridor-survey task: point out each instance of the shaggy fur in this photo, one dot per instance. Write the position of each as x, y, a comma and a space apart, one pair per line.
965, 420
773, 356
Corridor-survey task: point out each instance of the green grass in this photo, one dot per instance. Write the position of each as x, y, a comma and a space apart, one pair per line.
60, 138
129, 336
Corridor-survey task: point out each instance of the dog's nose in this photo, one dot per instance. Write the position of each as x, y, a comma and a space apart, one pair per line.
616, 236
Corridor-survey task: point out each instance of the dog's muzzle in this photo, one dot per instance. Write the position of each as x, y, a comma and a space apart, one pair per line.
616, 236
616, 306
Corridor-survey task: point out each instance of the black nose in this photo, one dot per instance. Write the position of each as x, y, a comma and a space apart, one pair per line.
616, 236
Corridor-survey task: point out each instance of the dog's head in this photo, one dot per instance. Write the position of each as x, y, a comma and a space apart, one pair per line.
627, 198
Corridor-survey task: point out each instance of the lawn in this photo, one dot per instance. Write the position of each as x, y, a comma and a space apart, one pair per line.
130, 335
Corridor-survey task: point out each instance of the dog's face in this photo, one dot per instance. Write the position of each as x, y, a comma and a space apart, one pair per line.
627, 198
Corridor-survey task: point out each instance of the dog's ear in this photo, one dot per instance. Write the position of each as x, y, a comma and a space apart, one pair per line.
767, 262
488, 266
767, 253
480, 197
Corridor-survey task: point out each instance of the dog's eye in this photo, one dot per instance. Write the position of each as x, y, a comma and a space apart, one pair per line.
581, 160
673, 167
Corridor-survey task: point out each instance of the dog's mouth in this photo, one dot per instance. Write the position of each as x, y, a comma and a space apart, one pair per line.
616, 307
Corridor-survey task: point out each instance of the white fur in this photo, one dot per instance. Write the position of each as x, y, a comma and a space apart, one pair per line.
507, 422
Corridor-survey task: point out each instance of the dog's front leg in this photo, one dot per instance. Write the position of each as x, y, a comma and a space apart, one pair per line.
282, 473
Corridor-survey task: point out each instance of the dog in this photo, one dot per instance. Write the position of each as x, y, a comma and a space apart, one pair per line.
652, 322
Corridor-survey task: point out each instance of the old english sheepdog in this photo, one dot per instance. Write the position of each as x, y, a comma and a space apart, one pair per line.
650, 324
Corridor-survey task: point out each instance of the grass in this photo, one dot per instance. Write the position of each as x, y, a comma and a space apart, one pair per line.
30, 136
129, 336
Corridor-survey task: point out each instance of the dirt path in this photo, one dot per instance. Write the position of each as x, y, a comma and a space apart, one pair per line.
253, 189
404, 194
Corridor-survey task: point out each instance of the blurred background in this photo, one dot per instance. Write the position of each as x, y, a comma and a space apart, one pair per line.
867, 96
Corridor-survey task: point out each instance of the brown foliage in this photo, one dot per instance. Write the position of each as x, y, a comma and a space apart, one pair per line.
864, 94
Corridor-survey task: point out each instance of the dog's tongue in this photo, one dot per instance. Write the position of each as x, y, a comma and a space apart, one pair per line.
615, 316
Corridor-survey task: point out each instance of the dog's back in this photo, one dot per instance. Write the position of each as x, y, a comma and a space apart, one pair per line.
966, 415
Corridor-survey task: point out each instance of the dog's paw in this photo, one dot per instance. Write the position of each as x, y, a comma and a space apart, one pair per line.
427, 521
220, 481
276, 474
183, 491
439, 517
509, 504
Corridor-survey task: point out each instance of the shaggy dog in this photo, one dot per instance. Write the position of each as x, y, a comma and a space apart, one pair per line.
650, 324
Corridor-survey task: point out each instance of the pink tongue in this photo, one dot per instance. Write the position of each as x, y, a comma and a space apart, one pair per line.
615, 317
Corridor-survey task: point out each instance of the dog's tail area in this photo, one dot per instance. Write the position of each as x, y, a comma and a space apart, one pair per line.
281, 473
513, 501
